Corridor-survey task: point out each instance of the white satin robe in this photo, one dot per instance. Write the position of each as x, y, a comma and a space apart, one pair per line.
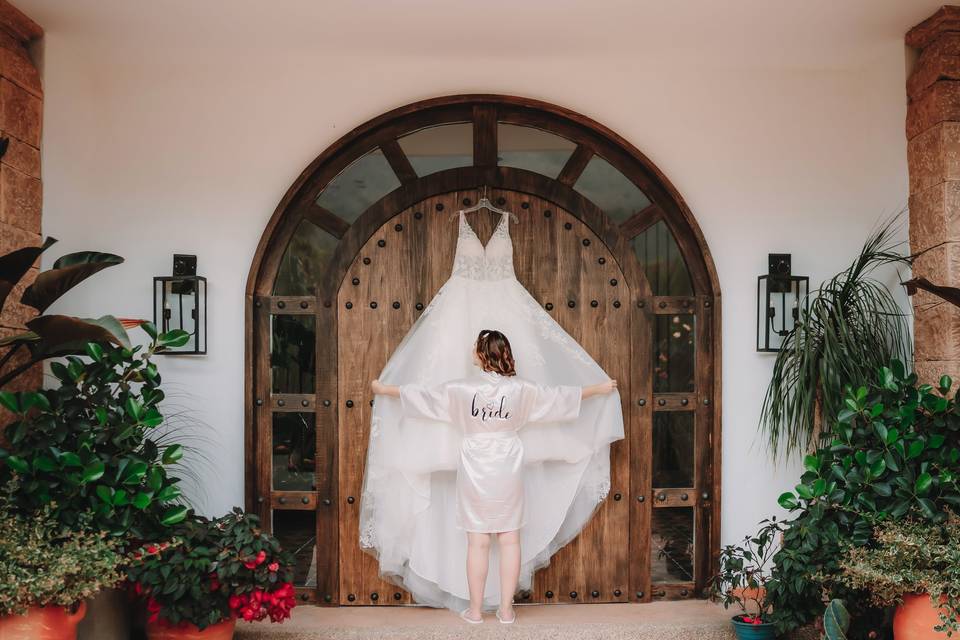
490, 409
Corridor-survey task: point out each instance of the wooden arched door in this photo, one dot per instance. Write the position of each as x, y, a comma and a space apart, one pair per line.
572, 273
363, 240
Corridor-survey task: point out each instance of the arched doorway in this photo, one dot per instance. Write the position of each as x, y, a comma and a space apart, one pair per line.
362, 241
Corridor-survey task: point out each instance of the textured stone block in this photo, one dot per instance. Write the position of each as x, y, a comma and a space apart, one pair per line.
930, 371
21, 112
934, 156
939, 103
945, 20
939, 61
935, 216
20, 199
936, 330
21, 156
12, 238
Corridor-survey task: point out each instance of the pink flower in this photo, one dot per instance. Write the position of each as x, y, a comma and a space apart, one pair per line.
273, 566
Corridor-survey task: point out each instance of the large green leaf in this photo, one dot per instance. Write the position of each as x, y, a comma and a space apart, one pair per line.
63, 335
67, 272
14, 265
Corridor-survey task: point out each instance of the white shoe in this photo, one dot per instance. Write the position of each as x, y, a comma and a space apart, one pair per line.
463, 614
510, 621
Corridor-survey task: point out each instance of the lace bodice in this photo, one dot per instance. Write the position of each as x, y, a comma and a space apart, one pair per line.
475, 261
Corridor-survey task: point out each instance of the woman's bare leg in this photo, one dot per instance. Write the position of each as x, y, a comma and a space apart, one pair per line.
509, 543
478, 561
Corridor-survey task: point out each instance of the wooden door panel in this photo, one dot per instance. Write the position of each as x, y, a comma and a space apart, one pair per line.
596, 561
559, 260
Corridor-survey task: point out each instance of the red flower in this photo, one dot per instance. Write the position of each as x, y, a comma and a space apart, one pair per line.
273, 566
261, 556
153, 608
152, 549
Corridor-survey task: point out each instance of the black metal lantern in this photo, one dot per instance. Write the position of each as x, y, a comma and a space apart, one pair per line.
180, 302
780, 298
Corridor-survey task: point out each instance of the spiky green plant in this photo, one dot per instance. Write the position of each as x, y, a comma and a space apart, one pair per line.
853, 327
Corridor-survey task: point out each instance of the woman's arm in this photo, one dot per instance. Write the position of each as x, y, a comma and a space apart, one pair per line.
602, 388
381, 389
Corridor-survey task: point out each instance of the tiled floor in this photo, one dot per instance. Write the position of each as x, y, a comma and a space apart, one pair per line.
682, 620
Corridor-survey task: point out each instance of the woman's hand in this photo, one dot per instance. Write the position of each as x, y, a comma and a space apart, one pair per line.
600, 389
381, 389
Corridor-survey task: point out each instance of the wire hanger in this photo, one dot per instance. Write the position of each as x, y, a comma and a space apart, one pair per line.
484, 203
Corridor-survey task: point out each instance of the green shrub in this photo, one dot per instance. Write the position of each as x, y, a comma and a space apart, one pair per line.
43, 563
88, 445
212, 570
909, 557
895, 450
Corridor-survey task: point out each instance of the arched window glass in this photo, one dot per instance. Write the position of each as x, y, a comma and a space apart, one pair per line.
660, 257
532, 149
365, 181
304, 261
437, 148
606, 187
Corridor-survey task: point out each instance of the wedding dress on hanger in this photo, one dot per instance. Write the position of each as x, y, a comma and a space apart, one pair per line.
408, 502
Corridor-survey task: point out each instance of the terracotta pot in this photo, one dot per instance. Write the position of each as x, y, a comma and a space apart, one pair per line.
220, 631
42, 623
916, 618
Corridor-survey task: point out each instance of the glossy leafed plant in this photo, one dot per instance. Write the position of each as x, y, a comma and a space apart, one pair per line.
89, 444
214, 570
895, 452
51, 335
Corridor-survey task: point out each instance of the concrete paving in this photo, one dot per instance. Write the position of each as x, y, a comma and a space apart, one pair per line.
681, 620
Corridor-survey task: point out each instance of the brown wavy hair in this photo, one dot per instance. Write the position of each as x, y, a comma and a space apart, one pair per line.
495, 353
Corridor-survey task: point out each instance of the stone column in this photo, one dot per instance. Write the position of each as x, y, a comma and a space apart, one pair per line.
933, 154
21, 111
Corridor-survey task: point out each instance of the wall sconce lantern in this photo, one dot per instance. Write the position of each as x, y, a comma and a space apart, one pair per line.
780, 296
180, 302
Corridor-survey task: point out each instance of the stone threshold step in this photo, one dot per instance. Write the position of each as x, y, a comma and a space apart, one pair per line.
681, 620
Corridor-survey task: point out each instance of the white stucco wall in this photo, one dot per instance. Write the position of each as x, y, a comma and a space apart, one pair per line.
148, 152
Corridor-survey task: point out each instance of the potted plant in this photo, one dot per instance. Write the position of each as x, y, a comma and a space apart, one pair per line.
894, 453
915, 566
47, 571
742, 581
210, 574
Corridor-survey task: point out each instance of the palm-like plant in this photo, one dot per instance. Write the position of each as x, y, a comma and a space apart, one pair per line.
854, 327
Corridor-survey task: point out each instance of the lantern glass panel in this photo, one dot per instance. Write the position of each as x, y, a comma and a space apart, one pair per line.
780, 302
180, 303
